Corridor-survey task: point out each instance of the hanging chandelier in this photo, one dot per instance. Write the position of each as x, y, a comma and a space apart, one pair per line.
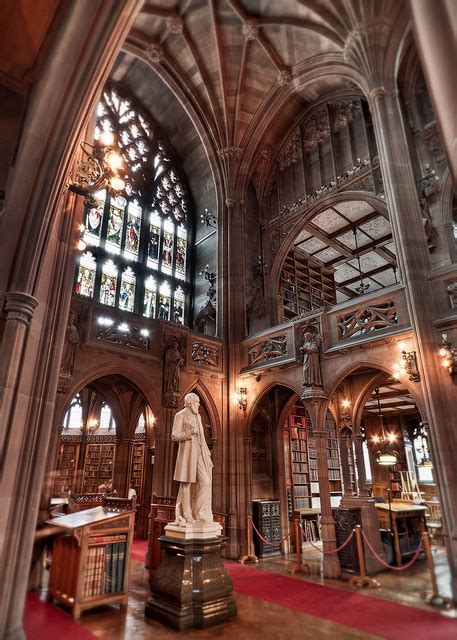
98, 170
363, 286
386, 454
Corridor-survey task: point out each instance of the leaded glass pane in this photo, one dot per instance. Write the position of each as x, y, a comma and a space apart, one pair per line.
127, 292
164, 302
94, 218
167, 248
154, 240
108, 283
150, 294
132, 237
86, 275
115, 225
181, 253
178, 306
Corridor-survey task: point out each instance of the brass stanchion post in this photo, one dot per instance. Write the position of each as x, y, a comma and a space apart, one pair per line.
249, 556
362, 580
298, 566
435, 599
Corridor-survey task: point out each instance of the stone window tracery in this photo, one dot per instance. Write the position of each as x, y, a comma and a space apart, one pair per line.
138, 242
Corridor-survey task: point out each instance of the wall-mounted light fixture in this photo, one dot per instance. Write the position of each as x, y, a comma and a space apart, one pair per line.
210, 276
448, 355
208, 219
99, 170
243, 399
429, 181
407, 365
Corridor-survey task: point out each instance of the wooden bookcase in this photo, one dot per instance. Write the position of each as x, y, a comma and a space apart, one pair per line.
305, 285
66, 467
98, 465
302, 473
91, 561
136, 468
333, 460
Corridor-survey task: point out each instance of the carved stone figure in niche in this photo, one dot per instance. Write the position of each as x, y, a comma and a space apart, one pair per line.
193, 468
172, 365
312, 376
70, 346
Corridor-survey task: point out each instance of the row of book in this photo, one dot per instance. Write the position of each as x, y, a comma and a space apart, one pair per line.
301, 503
299, 467
300, 478
301, 490
299, 456
311, 528
297, 433
334, 474
298, 445
105, 565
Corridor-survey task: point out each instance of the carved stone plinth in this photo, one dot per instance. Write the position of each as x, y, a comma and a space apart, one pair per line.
191, 589
197, 531
370, 526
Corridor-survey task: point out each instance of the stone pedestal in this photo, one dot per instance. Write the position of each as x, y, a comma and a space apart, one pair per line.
370, 526
191, 589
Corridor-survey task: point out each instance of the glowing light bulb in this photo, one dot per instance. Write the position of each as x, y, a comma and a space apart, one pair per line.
443, 352
81, 245
114, 160
117, 183
346, 403
81, 228
107, 139
401, 346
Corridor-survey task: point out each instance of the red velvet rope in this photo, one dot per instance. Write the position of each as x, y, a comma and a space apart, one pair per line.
264, 540
325, 553
388, 566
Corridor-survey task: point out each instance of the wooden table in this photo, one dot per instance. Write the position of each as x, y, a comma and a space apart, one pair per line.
408, 523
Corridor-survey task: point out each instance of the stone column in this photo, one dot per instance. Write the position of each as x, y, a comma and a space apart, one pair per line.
122, 466
316, 404
360, 463
435, 31
344, 439
404, 210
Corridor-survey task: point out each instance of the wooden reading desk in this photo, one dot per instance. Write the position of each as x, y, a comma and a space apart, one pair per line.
408, 523
91, 560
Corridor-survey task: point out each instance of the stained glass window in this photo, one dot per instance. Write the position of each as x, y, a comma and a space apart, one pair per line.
127, 292
108, 283
139, 241
107, 421
85, 279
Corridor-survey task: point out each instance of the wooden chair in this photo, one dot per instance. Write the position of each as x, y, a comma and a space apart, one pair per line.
434, 519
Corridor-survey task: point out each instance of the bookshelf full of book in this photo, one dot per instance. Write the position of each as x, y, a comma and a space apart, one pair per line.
333, 461
305, 285
98, 465
136, 469
303, 480
90, 563
66, 466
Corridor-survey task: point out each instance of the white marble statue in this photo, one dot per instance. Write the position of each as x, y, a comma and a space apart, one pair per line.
193, 468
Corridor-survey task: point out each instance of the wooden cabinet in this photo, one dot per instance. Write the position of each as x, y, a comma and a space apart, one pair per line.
136, 469
305, 285
91, 560
266, 518
67, 463
407, 522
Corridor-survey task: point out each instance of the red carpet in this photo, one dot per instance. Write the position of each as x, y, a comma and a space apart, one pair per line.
43, 621
139, 548
365, 613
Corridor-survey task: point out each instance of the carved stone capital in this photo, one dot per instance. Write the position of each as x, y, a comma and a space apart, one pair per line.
266, 152
230, 203
20, 306
175, 24
250, 29
230, 153
154, 52
377, 94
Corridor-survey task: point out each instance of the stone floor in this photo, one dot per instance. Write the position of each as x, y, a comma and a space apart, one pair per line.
256, 617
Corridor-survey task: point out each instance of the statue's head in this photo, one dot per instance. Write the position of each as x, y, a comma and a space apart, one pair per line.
192, 401
309, 337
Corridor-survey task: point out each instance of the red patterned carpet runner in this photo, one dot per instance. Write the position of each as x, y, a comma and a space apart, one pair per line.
373, 615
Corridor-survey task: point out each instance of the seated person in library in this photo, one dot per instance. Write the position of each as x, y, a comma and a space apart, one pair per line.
193, 468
